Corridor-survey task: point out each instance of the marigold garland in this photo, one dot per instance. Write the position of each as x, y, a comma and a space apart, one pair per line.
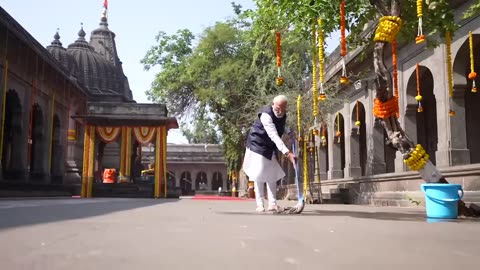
299, 119
419, 97
321, 60
388, 28
420, 37
417, 159
472, 75
314, 68
448, 43
323, 139
395, 71
386, 109
343, 43
279, 79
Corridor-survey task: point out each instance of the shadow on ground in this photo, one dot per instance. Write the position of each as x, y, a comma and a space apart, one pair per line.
378, 215
35, 212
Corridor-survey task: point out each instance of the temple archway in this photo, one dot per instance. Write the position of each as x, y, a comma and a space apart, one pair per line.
466, 102
421, 125
358, 141
201, 181
12, 141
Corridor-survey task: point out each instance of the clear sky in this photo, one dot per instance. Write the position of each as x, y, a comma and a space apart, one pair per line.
135, 24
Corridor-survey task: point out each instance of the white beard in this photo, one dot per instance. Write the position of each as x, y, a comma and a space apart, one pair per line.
278, 115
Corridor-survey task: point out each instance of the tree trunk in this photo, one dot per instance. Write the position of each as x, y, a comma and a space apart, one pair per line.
384, 92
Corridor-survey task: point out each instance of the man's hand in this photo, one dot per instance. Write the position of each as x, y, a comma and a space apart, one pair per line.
291, 156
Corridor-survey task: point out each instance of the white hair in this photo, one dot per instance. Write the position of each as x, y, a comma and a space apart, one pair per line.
280, 99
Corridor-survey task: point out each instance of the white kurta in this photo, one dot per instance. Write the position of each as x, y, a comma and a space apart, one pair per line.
257, 167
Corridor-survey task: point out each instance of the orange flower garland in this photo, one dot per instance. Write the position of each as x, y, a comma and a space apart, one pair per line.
395, 70
419, 97
385, 109
343, 43
472, 75
279, 80
323, 139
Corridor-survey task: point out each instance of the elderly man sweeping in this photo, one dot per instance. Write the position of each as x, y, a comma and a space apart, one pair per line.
260, 163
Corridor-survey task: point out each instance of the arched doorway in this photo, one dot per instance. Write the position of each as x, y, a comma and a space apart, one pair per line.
422, 124
466, 130
186, 183
217, 181
38, 149
358, 141
338, 157
201, 181
11, 157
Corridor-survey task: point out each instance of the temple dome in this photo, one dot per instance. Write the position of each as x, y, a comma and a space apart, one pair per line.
94, 71
60, 53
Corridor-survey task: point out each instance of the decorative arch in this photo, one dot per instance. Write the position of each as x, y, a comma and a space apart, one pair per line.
12, 133
465, 125
421, 119
338, 157
201, 180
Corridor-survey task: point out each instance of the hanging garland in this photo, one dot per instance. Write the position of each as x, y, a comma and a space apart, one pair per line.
472, 75
395, 71
144, 135
279, 80
323, 139
314, 68
299, 119
420, 37
419, 97
417, 159
108, 134
448, 43
343, 43
358, 123
321, 60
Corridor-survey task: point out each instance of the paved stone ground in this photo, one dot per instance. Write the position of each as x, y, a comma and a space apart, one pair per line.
135, 234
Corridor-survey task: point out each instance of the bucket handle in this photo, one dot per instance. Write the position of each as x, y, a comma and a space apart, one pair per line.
444, 200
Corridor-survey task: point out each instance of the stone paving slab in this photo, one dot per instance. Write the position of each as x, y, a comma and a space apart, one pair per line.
187, 234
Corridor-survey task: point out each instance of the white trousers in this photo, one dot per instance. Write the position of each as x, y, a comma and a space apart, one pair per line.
260, 192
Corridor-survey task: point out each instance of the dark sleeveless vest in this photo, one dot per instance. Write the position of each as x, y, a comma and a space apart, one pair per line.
258, 140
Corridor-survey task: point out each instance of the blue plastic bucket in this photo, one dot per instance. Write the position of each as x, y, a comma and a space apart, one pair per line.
441, 200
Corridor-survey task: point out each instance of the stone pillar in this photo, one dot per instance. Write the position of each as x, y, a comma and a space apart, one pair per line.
178, 176
354, 169
452, 145
209, 173
193, 176
376, 160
